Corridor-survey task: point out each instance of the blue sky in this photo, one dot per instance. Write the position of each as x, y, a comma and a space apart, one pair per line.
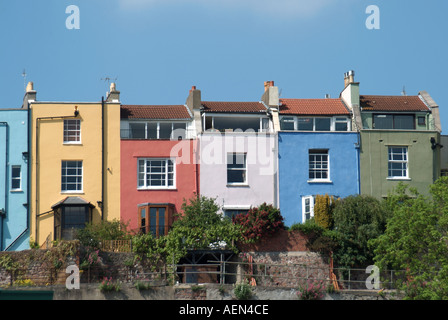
157, 49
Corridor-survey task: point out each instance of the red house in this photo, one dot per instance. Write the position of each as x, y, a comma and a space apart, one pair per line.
158, 167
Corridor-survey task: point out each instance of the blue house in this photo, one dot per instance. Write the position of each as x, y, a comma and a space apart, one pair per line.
318, 154
14, 178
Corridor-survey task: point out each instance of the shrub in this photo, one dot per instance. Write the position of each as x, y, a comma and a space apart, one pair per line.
107, 285
243, 291
259, 222
311, 290
323, 211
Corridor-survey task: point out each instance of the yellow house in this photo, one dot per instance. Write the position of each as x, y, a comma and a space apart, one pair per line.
75, 169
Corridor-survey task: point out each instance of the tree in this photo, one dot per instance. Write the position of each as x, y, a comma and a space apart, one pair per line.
259, 222
357, 219
415, 242
200, 226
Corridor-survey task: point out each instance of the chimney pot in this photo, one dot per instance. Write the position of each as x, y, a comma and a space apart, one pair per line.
30, 86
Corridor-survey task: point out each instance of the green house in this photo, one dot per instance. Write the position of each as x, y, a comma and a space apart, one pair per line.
399, 139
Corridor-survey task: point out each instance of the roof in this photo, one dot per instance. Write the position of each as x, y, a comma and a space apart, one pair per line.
313, 107
71, 201
392, 103
155, 112
234, 106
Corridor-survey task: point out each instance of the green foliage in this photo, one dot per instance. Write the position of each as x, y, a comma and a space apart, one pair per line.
150, 249
243, 290
323, 211
416, 241
201, 227
357, 219
93, 233
108, 285
259, 222
312, 290
319, 239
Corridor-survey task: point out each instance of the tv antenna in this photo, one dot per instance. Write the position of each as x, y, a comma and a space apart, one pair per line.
24, 79
108, 79
403, 93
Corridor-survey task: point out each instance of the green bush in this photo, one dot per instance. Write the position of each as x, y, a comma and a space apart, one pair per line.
243, 291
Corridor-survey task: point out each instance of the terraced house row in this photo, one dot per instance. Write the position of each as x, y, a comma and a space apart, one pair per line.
63, 164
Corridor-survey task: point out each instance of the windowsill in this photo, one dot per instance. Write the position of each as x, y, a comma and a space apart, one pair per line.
72, 143
73, 192
16, 191
242, 185
398, 178
319, 181
157, 189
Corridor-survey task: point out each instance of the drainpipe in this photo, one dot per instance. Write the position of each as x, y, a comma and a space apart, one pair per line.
5, 209
102, 159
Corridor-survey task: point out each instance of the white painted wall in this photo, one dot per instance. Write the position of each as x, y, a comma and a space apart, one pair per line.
261, 168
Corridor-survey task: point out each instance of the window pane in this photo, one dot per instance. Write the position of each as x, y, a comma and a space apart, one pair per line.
15, 177
287, 123
322, 124
382, 121
165, 130
305, 124
152, 130
318, 164
71, 176
397, 165
236, 161
404, 122
179, 131
137, 130
236, 176
72, 130
155, 173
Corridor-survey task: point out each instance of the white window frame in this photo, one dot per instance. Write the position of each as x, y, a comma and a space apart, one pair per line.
391, 161
146, 123
144, 178
311, 207
72, 133
327, 179
333, 121
78, 183
245, 182
15, 178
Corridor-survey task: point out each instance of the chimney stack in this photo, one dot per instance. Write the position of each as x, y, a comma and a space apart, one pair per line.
349, 77
30, 95
194, 99
114, 94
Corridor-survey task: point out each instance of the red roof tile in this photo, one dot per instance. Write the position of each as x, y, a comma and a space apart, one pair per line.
233, 107
392, 103
154, 112
313, 107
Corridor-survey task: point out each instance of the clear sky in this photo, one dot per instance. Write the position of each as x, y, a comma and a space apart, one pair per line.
157, 49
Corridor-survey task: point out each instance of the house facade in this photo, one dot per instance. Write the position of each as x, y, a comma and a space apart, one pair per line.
158, 167
318, 154
75, 163
14, 160
399, 139
237, 153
